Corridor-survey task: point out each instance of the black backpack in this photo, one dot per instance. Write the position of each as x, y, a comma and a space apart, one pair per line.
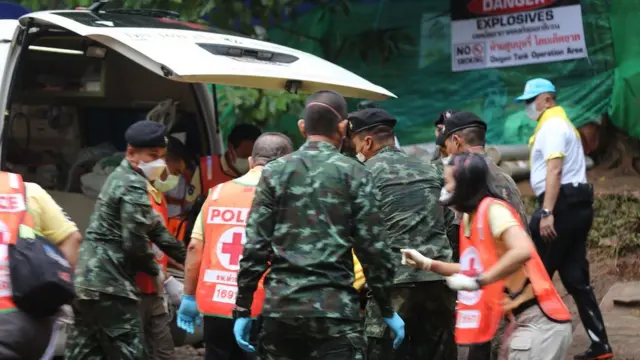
41, 276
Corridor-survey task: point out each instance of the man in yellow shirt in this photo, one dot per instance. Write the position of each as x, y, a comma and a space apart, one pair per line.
21, 335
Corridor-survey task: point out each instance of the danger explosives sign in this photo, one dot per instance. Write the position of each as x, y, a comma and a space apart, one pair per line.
500, 33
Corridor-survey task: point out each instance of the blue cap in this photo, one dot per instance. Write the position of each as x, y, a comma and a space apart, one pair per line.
535, 87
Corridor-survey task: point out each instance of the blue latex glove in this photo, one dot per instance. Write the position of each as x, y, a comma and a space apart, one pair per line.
188, 314
241, 330
397, 325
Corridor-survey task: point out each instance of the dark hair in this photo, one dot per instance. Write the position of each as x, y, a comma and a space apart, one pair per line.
270, 146
322, 119
179, 150
473, 136
382, 133
243, 132
473, 182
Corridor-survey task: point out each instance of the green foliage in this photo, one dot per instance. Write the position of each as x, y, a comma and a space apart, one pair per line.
261, 107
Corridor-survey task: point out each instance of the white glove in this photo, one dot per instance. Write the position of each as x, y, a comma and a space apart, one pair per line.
461, 282
413, 258
174, 290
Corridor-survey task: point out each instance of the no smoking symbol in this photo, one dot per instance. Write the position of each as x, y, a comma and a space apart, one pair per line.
478, 50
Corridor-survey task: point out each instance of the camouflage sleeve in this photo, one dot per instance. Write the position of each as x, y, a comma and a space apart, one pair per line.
169, 245
370, 243
137, 218
257, 249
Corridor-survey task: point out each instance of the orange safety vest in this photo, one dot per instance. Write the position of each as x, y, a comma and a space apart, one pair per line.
224, 217
479, 312
13, 207
144, 281
211, 173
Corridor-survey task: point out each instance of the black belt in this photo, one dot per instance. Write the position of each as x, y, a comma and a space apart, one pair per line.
524, 306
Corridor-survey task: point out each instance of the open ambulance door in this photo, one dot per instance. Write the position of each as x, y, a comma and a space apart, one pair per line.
204, 55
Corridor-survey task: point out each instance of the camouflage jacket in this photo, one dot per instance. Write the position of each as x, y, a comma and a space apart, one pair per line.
409, 190
310, 209
508, 189
116, 243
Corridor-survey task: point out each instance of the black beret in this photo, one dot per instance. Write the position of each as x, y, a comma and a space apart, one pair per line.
146, 134
459, 120
444, 116
369, 118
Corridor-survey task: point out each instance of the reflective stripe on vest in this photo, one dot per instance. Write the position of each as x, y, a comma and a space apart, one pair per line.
211, 173
13, 213
224, 216
479, 312
144, 281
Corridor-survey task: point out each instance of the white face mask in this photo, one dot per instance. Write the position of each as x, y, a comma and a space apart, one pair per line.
166, 185
445, 161
445, 195
532, 112
361, 157
152, 170
242, 165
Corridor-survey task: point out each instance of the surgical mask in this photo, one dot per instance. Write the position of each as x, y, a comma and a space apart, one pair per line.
532, 112
445, 195
152, 170
242, 165
168, 184
445, 161
361, 157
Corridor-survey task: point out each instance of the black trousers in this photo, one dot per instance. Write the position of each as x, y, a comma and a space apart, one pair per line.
219, 342
567, 253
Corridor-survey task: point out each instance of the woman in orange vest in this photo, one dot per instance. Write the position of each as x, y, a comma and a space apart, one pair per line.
499, 274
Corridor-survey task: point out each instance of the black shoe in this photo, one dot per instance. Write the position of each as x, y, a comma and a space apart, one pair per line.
596, 352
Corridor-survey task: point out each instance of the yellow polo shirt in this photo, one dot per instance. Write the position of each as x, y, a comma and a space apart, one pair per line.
48, 218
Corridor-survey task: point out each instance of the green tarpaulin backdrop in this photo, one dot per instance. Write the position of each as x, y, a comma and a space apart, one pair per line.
422, 79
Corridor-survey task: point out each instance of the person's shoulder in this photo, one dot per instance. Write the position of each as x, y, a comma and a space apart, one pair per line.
556, 125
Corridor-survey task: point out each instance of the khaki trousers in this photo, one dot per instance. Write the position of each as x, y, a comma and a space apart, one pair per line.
534, 336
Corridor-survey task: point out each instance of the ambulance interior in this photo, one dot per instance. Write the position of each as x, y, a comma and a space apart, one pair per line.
71, 103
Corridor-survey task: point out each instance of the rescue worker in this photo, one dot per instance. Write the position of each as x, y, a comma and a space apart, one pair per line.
23, 336
311, 209
202, 292
174, 185
439, 158
499, 272
107, 318
465, 132
215, 169
560, 225
408, 190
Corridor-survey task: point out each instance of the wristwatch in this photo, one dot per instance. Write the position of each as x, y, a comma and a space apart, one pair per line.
239, 312
545, 212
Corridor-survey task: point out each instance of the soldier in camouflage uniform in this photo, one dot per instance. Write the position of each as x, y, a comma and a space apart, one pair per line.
116, 247
409, 191
465, 132
451, 218
311, 209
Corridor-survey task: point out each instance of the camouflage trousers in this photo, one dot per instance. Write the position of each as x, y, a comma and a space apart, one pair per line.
310, 339
106, 328
428, 310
